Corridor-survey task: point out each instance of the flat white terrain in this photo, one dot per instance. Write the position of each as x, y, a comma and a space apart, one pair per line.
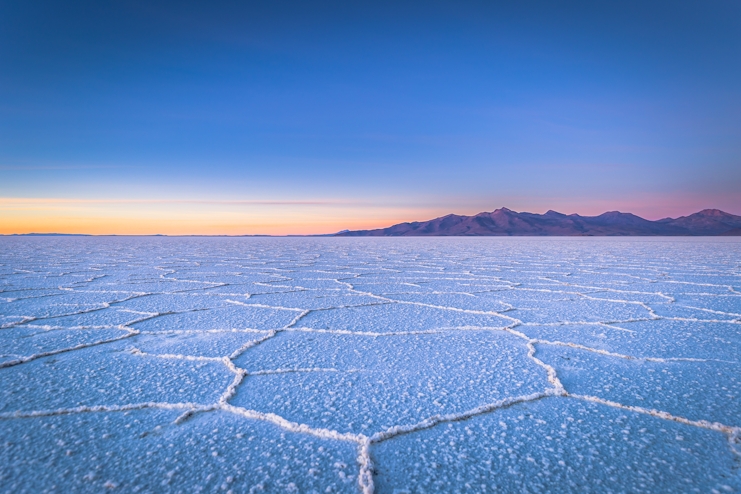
370, 364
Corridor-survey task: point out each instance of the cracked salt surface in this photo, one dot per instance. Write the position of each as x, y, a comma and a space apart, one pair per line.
388, 365
696, 389
230, 317
557, 445
367, 384
144, 451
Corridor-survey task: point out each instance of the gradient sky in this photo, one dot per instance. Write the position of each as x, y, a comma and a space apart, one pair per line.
311, 117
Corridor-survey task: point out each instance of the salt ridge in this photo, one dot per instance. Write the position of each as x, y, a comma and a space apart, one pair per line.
554, 387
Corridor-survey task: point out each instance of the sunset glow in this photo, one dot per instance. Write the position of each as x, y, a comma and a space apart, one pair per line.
283, 118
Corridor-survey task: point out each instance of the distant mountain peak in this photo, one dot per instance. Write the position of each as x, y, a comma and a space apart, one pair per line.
506, 222
551, 212
712, 212
617, 214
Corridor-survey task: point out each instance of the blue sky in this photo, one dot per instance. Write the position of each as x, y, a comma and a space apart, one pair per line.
280, 117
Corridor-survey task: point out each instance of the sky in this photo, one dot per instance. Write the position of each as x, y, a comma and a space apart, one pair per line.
295, 117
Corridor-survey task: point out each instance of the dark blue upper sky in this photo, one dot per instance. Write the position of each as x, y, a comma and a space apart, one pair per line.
398, 107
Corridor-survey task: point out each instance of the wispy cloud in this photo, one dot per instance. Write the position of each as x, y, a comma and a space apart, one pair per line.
237, 202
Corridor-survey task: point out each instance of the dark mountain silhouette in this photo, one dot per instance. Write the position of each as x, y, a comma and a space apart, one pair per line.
504, 222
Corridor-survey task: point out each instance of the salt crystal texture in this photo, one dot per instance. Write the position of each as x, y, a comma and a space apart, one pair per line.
370, 364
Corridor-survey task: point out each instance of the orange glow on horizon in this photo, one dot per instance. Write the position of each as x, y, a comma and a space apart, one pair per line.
194, 217
130, 216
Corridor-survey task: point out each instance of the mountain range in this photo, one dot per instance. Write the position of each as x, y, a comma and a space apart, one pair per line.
505, 222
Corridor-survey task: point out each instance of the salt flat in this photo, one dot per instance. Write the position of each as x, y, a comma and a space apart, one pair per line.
353, 365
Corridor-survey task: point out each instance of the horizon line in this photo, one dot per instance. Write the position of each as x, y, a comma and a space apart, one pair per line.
342, 231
